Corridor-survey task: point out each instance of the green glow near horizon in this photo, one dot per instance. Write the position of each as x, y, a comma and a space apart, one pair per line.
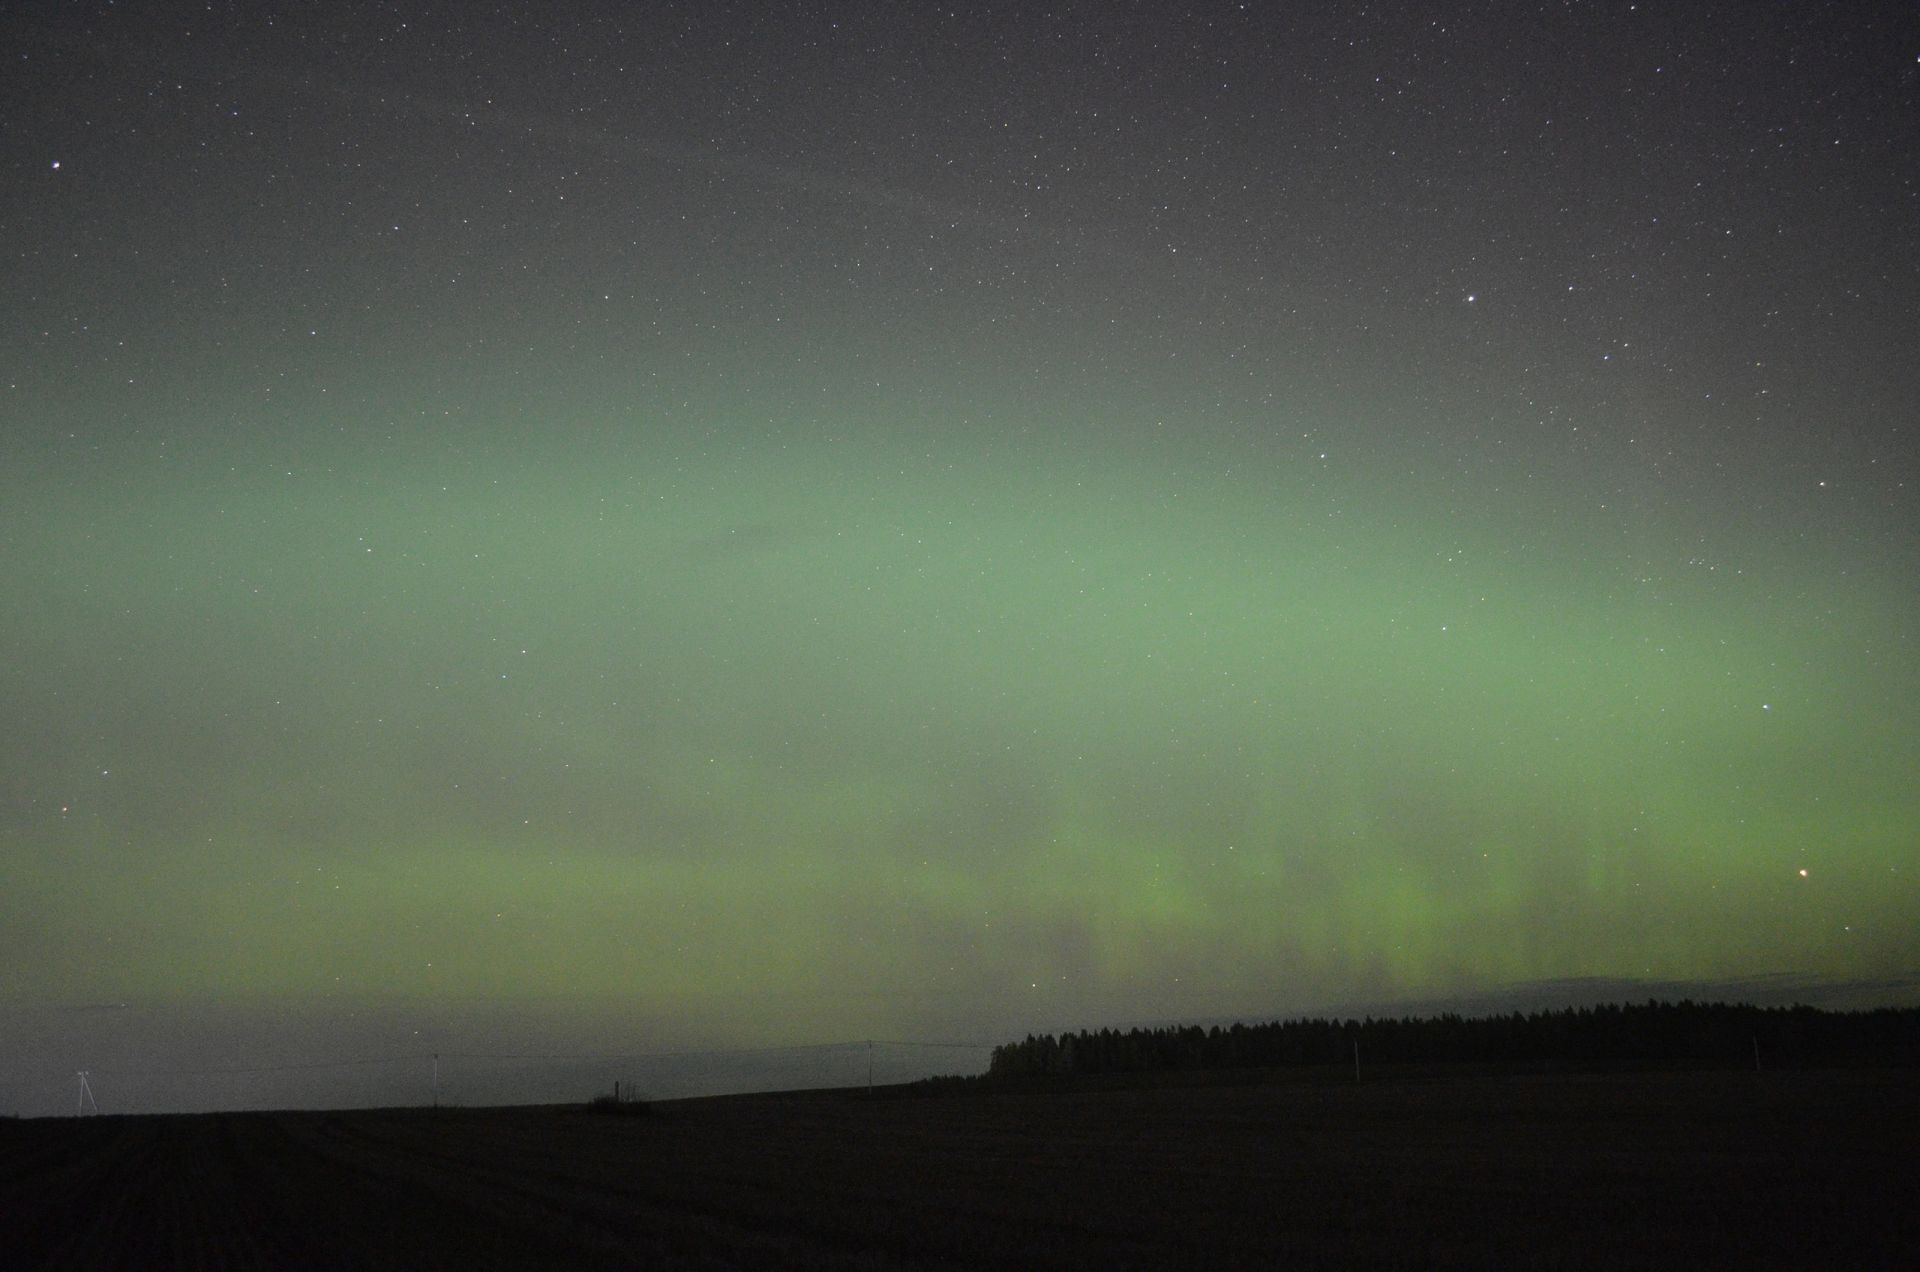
809, 737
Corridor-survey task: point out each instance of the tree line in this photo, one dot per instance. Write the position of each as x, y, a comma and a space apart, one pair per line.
1650, 1032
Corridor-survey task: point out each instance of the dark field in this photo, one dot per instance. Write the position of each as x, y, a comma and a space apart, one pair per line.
1809, 1169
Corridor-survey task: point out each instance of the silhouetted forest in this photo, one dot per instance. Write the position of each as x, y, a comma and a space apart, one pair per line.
1651, 1032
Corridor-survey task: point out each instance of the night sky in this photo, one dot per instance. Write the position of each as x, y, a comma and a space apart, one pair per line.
599, 526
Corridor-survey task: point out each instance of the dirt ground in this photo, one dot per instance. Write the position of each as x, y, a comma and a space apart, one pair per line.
1813, 1169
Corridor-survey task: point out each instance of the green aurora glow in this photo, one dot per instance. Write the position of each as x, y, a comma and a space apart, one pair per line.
723, 589
943, 728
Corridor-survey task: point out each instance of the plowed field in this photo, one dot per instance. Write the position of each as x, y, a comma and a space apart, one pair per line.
1789, 1169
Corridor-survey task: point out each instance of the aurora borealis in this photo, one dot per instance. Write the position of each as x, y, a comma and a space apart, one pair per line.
699, 528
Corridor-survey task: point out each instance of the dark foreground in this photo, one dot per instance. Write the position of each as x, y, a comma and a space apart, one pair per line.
1722, 1169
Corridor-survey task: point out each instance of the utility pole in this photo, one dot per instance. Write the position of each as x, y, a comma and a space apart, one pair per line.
86, 1095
